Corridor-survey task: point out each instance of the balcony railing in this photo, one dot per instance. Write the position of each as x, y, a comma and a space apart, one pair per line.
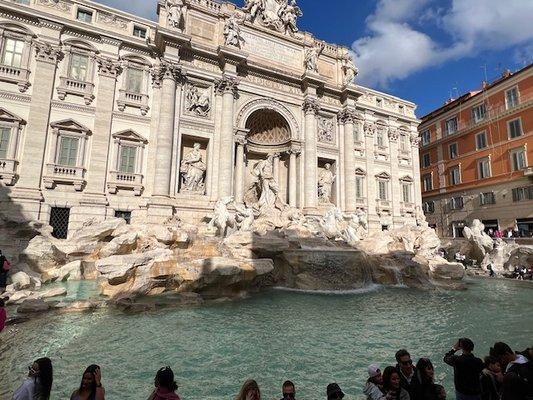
20, 76
64, 174
8, 171
131, 99
382, 205
125, 180
528, 171
77, 88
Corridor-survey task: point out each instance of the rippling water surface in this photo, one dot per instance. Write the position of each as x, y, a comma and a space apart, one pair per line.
312, 339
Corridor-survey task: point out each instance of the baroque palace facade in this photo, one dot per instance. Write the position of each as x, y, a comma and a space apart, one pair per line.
103, 113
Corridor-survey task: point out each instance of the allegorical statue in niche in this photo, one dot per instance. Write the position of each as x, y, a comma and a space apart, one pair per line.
193, 171
232, 32
325, 184
349, 69
254, 8
311, 56
175, 9
264, 191
289, 13
199, 103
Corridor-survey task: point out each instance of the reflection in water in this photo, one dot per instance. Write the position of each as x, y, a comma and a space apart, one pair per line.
312, 339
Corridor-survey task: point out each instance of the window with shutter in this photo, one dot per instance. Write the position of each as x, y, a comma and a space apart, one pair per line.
68, 151
406, 193
515, 128
127, 159
382, 190
359, 187
78, 66
134, 82
5, 134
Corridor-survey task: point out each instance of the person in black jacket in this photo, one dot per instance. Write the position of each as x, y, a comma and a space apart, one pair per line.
467, 370
491, 380
518, 378
408, 377
426, 390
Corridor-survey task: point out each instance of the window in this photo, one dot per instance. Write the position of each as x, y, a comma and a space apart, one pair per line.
379, 102
455, 176
68, 151
12, 54
404, 140
59, 218
511, 98
426, 160
483, 168
481, 140
382, 190
454, 152
139, 32
428, 183
456, 203
487, 198
401, 109
518, 159
451, 126
125, 215
5, 134
428, 207
134, 81
406, 192
426, 137
479, 113
78, 66
514, 128
523, 194
84, 15
127, 159
359, 193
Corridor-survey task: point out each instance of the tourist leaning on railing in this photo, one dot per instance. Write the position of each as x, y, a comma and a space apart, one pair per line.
91, 385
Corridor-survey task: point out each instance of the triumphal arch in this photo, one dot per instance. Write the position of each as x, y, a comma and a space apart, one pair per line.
104, 113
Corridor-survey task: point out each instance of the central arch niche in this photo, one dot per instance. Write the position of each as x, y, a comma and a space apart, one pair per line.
268, 128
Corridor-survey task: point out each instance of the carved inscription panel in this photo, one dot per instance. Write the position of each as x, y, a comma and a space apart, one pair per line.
272, 50
203, 29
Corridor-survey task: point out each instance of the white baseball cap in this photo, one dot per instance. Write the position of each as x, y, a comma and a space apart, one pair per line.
374, 370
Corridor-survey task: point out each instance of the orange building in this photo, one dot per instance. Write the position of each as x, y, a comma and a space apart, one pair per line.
476, 158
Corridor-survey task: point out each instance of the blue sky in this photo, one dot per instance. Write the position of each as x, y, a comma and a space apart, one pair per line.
420, 50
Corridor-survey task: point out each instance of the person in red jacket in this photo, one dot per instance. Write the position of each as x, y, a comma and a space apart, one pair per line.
3, 315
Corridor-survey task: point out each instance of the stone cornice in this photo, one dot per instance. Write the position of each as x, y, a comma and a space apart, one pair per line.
73, 107
15, 97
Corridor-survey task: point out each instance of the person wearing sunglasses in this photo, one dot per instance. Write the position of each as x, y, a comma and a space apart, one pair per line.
91, 385
165, 385
392, 385
38, 384
288, 390
334, 392
407, 372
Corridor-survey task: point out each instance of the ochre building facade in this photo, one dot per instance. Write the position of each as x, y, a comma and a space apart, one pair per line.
107, 114
476, 158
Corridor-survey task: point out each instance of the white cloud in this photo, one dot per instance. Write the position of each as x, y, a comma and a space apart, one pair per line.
396, 49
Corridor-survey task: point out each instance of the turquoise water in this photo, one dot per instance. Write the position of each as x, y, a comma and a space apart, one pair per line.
312, 339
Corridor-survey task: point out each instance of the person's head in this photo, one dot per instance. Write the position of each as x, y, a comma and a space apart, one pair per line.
391, 379
403, 358
503, 353
426, 370
492, 364
42, 370
467, 345
88, 380
250, 387
288, 390
334, 392
440, 392
374, 374
164, 378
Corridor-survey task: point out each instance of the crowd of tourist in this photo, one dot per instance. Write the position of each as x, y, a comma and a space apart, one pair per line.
503, 375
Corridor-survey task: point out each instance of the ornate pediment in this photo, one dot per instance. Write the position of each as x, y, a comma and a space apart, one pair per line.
70, 125
407, 178
383, 175
279, 15
130, 135
7, 116
360, 171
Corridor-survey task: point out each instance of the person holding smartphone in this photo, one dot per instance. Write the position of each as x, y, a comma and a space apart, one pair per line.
91, 385
466, 370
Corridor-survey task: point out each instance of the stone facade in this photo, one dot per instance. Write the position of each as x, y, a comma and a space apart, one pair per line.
106, 114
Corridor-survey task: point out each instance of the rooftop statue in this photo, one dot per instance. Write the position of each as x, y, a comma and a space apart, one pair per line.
232, 32
175, 10
349, 69
275, 14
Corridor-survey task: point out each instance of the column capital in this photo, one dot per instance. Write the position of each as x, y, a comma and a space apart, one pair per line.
393, 134
348, 115
415, 141
226, 84
47, 52
369, 128
108, 67
311, 106
241, 140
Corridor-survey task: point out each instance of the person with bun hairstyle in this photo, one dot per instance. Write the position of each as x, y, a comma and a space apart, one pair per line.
165, 385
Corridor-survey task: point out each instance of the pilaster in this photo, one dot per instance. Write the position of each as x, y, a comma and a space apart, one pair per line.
311, 108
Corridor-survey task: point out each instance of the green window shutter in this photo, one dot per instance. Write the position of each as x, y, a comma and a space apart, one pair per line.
5, 133
134, 80
127, 159
68, 151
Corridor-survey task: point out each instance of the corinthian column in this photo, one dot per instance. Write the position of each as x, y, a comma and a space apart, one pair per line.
239, 170
311, 107
170, 73
293, 153
227, 87
347, 117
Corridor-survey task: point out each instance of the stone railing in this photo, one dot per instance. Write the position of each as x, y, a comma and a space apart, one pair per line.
8, 170
125, 180
209, 4
382, 205
361, 202
130, 99
77, 88
20, 76
64, 174
407, 207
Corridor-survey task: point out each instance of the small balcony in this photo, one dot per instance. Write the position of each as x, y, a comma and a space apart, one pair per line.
407, 208
65, 175
360, 202
383, 205
77, 88
528, 171
125, 180
20, 76
8, 171
130, 99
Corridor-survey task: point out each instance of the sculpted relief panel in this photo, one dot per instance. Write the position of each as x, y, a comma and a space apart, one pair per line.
198, 100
